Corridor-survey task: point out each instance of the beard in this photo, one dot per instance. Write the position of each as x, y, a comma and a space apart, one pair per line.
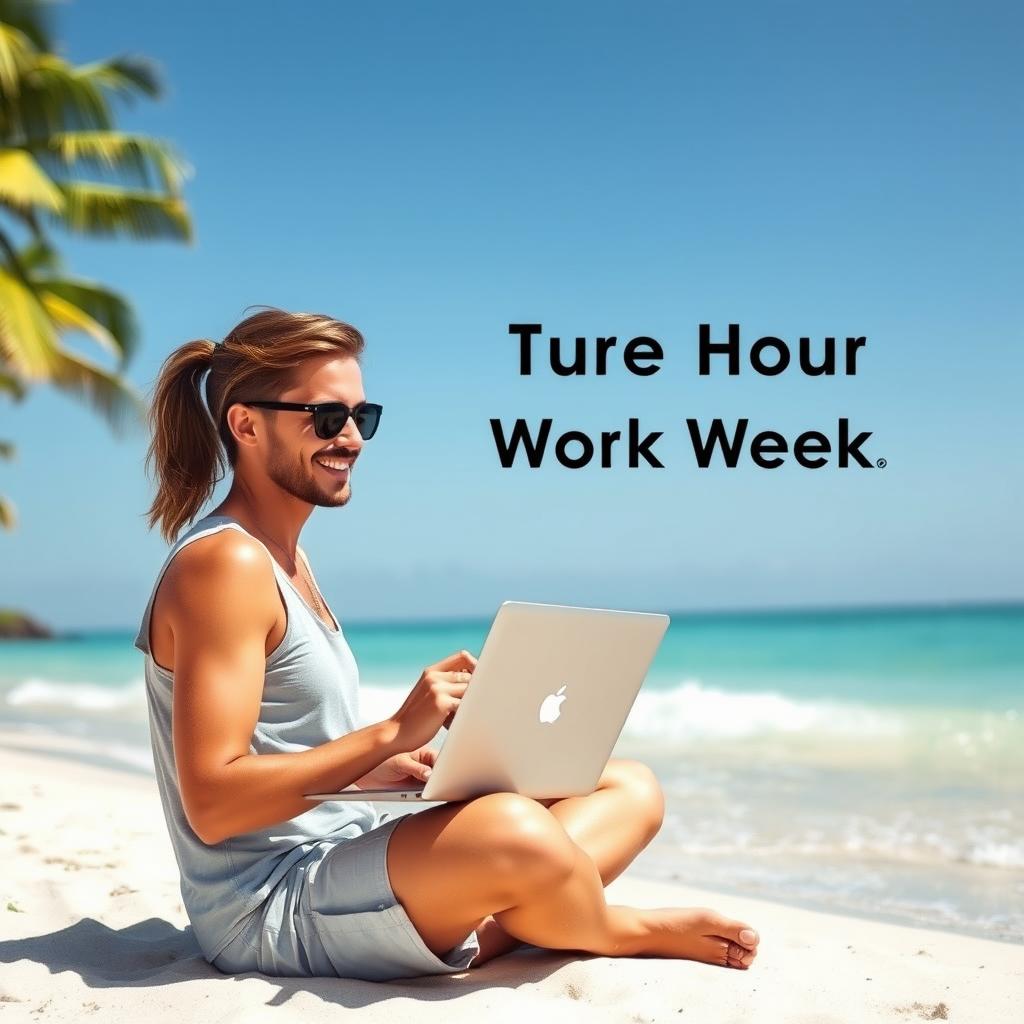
306, 481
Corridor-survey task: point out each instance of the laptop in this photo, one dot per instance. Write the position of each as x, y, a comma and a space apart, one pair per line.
550, 693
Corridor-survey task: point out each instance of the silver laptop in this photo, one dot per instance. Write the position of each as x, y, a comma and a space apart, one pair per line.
552, 688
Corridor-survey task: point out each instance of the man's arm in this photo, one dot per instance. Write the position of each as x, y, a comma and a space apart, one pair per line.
223, 605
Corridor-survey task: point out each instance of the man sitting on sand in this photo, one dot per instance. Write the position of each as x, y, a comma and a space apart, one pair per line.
253, 702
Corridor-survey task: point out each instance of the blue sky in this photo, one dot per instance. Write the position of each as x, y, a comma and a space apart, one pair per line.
431, 172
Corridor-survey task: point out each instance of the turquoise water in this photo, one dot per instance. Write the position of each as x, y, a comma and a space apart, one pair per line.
869, 761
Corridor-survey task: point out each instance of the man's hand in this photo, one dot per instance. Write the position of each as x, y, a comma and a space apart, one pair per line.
400, 770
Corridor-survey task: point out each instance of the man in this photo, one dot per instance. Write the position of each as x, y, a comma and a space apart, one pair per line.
252, 688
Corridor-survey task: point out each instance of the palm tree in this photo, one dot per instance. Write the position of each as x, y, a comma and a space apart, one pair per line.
55, 121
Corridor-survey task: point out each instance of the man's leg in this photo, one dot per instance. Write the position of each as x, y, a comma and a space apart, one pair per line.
615, 822
507, 856
612, 824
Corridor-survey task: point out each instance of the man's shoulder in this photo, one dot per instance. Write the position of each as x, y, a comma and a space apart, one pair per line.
227, 558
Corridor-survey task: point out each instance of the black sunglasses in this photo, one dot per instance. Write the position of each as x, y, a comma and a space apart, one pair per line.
329, 418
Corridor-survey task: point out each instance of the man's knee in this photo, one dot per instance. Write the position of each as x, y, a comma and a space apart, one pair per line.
644, 788
525, 845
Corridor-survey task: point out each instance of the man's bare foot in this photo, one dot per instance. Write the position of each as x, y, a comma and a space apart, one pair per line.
697, 933
692, 933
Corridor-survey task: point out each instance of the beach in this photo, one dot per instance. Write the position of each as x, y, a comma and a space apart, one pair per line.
732, 355
860, 762
94, 929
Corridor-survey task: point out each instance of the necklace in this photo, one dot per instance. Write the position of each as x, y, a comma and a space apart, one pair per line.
314, 590
321, 608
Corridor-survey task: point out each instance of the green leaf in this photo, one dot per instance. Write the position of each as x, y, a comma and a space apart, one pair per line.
16, 55
106, 393
23, 183
127, 74
10, 385
108, 209
28, 339
111, 319
121, 152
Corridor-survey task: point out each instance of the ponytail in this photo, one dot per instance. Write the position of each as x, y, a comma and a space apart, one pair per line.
184, 445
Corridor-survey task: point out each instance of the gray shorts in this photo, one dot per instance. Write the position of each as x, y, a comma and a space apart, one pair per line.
346, 923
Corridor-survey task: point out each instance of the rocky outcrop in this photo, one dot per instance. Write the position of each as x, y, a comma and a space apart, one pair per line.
17, 625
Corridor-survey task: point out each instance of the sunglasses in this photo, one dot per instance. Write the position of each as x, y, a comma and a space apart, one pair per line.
329, 418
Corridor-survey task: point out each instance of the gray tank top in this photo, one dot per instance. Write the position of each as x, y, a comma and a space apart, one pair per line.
310, 696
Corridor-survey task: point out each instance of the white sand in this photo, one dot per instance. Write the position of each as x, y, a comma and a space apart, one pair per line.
99, 934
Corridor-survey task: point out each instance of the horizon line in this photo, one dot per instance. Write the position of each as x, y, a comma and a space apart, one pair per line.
780, 611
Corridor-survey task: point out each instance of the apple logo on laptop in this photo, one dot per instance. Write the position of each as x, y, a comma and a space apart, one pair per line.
550, 708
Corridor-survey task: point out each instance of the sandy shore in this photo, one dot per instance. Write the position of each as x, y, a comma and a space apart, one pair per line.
93, 929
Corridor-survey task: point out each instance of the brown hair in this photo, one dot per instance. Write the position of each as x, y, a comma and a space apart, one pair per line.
258, 360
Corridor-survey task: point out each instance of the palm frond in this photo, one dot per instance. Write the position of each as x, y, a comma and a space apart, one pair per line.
120, 152
38, 254
68, 317
26, 216
55, 97
97, 209
7, 450
24, 184
11, 385
104, 314
56, 126
106, 393
31, 18
16, 55
28, 338
127, 75
33, 315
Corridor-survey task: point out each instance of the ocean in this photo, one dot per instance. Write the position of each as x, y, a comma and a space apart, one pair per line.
868, 762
